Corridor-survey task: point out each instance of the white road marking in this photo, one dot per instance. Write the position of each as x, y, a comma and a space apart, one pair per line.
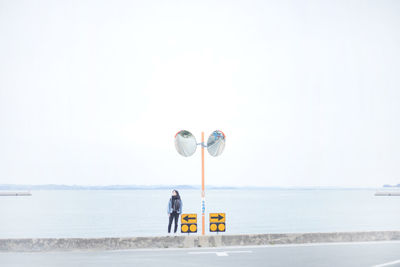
220, 253
387, 263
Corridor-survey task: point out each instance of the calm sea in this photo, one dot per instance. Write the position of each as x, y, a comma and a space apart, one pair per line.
144, 212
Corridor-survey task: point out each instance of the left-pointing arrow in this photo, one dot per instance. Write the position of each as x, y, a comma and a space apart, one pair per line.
187, 218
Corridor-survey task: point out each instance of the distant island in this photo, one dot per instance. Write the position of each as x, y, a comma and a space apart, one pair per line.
388, 185
105, 187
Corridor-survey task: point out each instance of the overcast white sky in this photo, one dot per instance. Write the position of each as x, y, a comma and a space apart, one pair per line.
93, 92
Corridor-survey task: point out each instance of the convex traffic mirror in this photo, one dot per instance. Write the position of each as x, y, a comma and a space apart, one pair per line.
216, 143
185, 143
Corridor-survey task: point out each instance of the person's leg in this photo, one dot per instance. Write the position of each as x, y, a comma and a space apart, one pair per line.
170, 222
176, 221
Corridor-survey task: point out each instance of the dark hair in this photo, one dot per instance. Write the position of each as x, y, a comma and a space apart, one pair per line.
177, 193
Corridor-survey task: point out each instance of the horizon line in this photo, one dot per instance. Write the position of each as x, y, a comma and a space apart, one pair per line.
185, 186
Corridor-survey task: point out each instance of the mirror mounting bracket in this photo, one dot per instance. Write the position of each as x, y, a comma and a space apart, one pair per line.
202, 144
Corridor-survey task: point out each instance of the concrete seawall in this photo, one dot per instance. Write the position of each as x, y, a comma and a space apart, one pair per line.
65, 244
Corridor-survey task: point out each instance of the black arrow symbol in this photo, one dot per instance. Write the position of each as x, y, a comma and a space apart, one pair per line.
219, 217
187, 218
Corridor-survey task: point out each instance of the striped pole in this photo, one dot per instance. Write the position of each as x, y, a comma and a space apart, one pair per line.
203, 194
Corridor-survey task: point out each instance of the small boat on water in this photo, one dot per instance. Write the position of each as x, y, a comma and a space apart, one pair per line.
9, 194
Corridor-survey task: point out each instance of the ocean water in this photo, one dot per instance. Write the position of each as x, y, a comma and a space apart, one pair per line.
90, 213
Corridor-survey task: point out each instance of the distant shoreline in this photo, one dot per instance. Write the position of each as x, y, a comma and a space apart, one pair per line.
168, 187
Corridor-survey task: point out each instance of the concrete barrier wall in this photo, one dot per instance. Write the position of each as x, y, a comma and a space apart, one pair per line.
64, 244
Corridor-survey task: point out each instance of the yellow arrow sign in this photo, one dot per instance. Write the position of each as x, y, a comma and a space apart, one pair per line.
188, 218
217, 217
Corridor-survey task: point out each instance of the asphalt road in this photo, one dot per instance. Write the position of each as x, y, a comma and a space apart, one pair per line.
333, 254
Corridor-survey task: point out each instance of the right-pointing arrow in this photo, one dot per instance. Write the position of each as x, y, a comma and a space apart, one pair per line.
219, 217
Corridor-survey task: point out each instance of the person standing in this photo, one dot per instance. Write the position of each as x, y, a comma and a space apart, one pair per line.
174, 209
